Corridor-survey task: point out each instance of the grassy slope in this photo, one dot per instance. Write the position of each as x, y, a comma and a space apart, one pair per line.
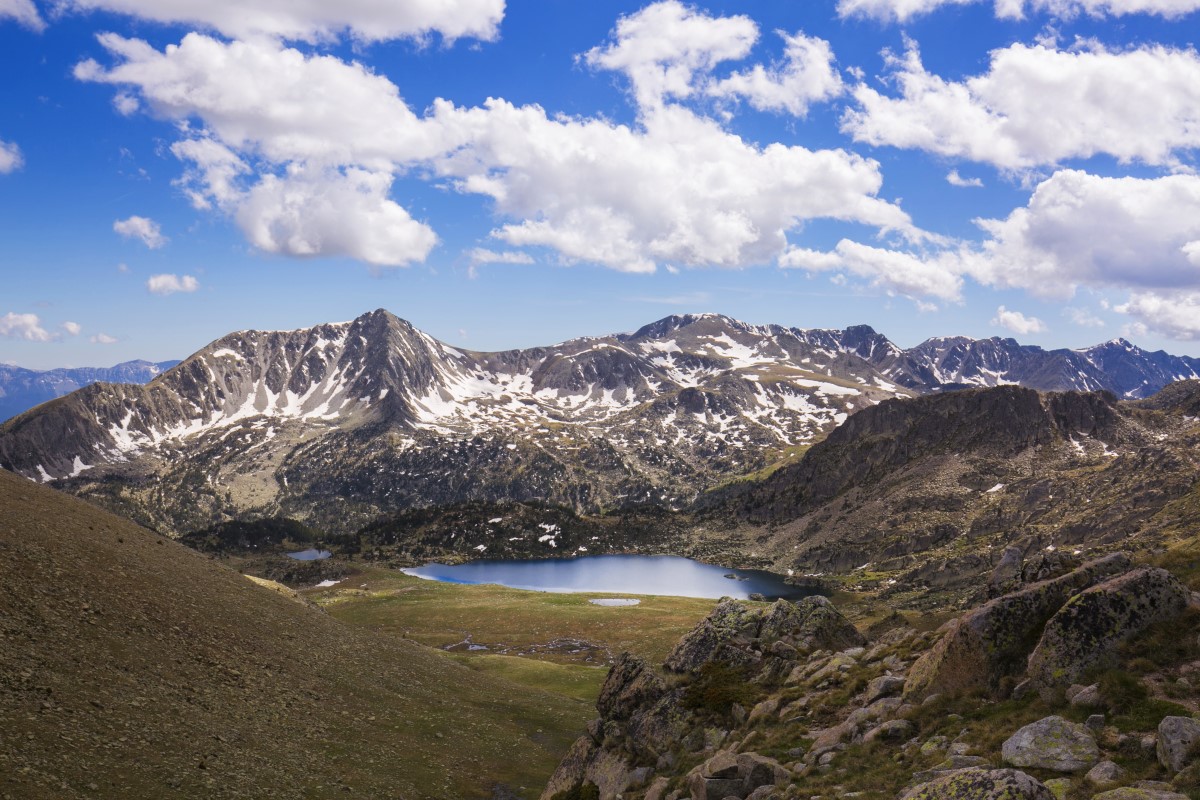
518, 621
133, 667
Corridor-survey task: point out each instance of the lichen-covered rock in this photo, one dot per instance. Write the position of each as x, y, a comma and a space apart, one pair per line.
572, 768
629, 685
1006, 576
1105, 772
1087, 629
1177, 736
723, 634
980, 784
1052, 743
1139, 793
993, 641
884, 686
823, 626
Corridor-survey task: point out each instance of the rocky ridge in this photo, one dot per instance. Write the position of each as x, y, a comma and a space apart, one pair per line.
746, 707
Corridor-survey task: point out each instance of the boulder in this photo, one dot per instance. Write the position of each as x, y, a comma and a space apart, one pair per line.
992, 642
1139, 793
884, 686
1089, 626
823, 627
722, 635
892, 730
1103, 773
630, 684
1052, 743
980, 784
1177, 736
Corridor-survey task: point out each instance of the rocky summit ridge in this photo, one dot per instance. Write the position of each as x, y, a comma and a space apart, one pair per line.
340, 423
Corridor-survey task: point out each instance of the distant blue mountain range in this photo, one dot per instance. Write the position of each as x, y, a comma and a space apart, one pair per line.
22, 389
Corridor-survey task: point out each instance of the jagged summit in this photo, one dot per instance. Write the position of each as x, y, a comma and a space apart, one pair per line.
375, 410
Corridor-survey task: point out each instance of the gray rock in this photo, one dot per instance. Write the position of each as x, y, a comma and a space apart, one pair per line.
990, 643
1088, 697
1139, 793
1094, 723
980, 784
1088, 628
1104, 772
884, 686
715, 638
630, 684
1007, 575
1176, 738
1052, 743
891, 731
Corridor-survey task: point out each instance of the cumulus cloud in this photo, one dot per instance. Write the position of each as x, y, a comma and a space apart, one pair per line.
72, 328
24, 12
283, 133
903, 10
1038, 105
893, 271
144, 229
1175, 314
805, 76
10, 157
314, 20
170, 284
954, 179
333, 213
1080, 229
103, 338
1017, 322
665, 45
23, 326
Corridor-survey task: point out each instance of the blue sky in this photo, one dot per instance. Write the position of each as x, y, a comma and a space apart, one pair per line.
508, 176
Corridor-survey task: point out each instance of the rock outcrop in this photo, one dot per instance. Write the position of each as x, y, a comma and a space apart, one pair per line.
993, 642
1086, 630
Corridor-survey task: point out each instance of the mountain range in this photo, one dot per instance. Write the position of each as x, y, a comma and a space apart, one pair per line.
340, 423
22, 389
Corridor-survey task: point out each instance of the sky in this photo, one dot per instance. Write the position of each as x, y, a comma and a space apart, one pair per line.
513, 175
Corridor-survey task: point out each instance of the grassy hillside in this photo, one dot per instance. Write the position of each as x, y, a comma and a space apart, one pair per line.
131, 666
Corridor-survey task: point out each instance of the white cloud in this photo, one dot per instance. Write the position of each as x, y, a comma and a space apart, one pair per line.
806, 76
103, 338
313, 20
170, 284
23, 326
1017, 322
142, 228
1037, 106
893, 10
24, 12
72, 328
1173, 314
1082, 317
481, 255
1084, 230
904, 10
895, 272
662, 48
677, 188
954, 179
333, 213
10, 157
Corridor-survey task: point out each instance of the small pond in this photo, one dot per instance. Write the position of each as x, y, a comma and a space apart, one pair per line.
663, 575
310, 555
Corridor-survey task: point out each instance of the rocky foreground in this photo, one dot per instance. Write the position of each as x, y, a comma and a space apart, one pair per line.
1082, 685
